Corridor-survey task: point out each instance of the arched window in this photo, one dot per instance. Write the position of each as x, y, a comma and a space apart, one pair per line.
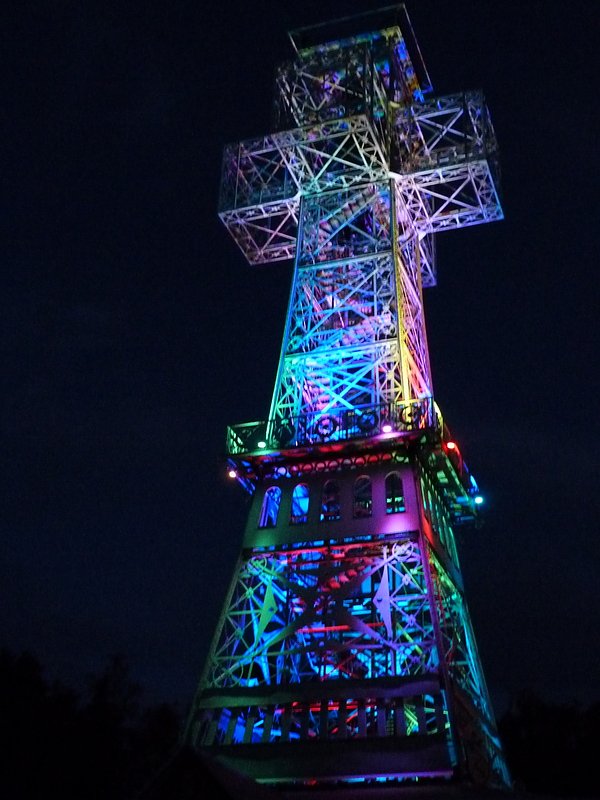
299, 513
394, 494
363, 497
270, 508
330, 505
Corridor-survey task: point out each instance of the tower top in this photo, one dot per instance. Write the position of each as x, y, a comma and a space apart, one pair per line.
390, 23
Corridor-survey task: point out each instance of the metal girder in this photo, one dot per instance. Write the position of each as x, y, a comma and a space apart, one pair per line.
475, 716
336, 154
454, 196
266, 232
326, 85
253, 173
416, 369
326, 614
349, 378
355, 333
343, 304
440, 131
345, 224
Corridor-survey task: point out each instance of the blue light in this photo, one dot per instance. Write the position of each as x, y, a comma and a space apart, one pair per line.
478, 500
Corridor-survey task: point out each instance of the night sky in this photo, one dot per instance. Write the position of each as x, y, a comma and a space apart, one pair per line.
133, 331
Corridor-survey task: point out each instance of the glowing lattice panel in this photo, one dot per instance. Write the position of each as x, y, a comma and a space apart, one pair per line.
346, 224
343, 305
341, 153
350, 379
327, 613
321, 86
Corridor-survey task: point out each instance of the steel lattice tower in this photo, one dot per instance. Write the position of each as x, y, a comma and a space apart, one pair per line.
345, 651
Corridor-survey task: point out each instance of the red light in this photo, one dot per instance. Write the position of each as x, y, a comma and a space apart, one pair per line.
451, 445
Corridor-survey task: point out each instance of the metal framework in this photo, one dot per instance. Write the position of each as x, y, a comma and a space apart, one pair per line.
345, 652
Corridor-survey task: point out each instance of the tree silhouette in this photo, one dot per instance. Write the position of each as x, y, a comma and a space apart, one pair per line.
105, 745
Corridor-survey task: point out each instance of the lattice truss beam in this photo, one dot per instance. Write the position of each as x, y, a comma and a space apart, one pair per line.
326, 613
329, 84
345, 345
416, 369
443, 157
347, 379
442, 130
343, 304
345, 224
359, 74
473, 708
449, 197
458, 639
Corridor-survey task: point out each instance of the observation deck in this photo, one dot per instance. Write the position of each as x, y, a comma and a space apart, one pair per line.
341, 438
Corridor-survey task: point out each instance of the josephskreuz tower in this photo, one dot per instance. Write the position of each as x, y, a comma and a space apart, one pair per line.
345, 652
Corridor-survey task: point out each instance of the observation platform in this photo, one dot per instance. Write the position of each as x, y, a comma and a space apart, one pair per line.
340, 438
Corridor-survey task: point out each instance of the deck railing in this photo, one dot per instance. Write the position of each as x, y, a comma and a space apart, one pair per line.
333, 425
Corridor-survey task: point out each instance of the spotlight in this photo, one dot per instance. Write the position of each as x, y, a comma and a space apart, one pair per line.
386, 428
478, 500
451, 445
261, 445
232, 473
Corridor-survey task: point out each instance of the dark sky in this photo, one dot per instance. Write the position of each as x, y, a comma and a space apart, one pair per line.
133, 331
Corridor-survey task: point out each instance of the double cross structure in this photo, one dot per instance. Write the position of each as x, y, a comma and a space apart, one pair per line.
345, 652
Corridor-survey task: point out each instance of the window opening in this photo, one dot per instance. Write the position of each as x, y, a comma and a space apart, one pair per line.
394, 494
270, 508
363, 497
299, 513
330, 505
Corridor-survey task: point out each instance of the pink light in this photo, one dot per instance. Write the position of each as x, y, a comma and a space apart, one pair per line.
387, 428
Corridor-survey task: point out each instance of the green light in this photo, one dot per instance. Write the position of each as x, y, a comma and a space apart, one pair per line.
261, 445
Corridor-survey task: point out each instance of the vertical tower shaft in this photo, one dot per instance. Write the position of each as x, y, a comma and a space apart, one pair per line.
345, 650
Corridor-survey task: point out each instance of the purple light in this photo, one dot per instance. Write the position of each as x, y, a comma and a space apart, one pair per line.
387, 428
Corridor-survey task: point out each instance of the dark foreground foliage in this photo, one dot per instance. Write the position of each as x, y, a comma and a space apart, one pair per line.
55, 743
106, 744
553, 749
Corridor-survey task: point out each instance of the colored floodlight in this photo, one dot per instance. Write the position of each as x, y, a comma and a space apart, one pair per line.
478, 500
387, 428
